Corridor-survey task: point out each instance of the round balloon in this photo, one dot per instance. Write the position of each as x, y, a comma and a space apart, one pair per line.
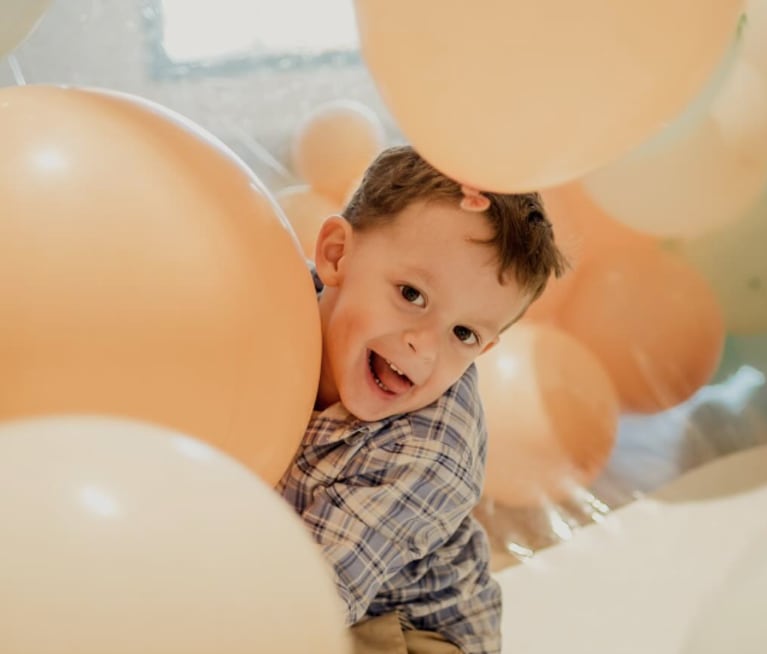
306, 210
705, 169
334, 145
145, 272
17, 19
513, 96
733, 260
552, 415
127, 538
652, 321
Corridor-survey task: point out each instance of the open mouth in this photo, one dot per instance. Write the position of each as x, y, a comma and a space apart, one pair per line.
387, 375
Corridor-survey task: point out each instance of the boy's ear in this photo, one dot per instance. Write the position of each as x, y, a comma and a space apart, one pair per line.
331, 247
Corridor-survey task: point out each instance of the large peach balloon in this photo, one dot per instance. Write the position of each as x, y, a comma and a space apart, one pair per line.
652, 321
145, 272
552, 415
334, 145
706, 168
733, 260
512, 96
306, 210
17, 19
126, 538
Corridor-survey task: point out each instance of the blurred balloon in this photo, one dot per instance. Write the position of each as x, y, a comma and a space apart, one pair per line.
552, 415
334, 145
706, 167
652, 321
145, 272
306, 210
733, 260
17, 19
582, 231
123, 537
735, 608
522, 95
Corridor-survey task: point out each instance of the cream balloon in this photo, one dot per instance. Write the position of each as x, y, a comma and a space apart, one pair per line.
514, 96
306, 210
17, 19
126, 538
334, 145
733, 261
703, 171
733, 617
552, 415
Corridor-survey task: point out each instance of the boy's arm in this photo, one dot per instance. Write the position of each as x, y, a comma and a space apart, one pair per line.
408, 499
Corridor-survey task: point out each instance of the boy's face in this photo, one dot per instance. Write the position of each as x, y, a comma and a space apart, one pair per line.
407, 307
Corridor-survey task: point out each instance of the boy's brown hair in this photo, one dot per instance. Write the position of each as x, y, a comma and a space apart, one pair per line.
523, 237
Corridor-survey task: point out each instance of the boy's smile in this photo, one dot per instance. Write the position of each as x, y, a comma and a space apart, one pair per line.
407, 306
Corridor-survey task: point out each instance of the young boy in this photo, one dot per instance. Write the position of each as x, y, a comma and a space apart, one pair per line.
417, 278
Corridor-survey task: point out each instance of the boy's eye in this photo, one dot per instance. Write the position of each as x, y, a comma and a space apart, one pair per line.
465, 335
412, 295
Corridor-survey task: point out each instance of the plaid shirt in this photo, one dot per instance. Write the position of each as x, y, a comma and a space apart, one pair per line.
390, 504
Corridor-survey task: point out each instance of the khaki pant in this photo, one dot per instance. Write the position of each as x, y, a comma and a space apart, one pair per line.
384, 635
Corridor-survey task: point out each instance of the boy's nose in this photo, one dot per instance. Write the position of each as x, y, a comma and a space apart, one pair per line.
423, 343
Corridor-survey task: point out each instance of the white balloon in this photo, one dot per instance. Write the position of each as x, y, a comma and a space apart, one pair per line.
127, 538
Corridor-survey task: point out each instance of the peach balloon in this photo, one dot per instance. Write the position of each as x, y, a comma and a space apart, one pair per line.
306, 210
652, 321
701, 172
17, 19
582, 231
552, 415
127, 538
145, 272
334, 145
733, 260
511, 96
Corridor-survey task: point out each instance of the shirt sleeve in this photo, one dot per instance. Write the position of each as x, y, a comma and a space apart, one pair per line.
403, 500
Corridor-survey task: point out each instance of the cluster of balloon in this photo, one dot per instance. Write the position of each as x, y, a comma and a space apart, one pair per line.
124, 537
330, 151
17, 19
146, 273
513, 97
709, 165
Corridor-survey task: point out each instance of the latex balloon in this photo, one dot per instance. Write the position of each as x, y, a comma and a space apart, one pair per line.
306, 210
734, 608
552, 415
17, 19
581, 231
334, 145
146, 272
733, 260
652, 321
123, 537
514, 96
702, 172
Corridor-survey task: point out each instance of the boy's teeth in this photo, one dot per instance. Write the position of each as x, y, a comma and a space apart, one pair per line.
394, 368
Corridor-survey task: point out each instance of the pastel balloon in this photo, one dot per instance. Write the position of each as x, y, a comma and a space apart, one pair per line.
123, 537
17, 19
334, 145
513, 96
581, 230
145, 272
306, 210
702, 172
733, 260
653, 322
552, 415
